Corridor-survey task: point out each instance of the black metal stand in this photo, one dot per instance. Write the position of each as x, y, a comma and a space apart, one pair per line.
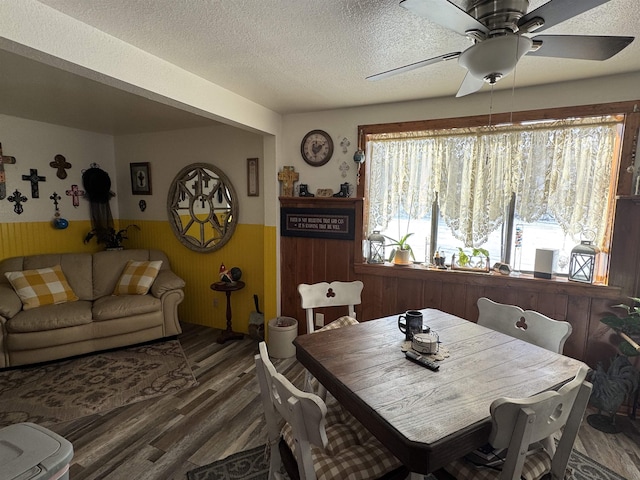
604, 423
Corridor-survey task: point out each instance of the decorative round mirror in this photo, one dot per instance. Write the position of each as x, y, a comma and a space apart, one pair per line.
202, 207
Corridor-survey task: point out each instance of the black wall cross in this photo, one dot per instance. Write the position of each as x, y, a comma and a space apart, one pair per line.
34, 178
17, 199
8, 160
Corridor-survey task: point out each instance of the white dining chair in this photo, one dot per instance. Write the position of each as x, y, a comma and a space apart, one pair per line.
319, 441
323, 295
528, 325
522, 435
334, 294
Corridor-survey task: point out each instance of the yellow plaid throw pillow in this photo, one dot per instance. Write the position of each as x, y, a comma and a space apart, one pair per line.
137, 277
42, 286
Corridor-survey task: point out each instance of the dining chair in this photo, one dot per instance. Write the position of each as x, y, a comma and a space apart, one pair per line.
522, 435
318, 441
527, 325
334, 294
323, 295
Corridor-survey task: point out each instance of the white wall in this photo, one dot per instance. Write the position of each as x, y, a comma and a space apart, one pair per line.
35, 144
344, 122
168, 152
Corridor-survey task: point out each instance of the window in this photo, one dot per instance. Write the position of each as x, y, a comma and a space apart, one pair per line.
553, 181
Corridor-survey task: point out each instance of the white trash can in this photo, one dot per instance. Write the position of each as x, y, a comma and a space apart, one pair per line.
31, 452
282, 332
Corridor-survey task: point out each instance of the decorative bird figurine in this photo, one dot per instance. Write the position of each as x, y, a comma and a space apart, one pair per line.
612, 386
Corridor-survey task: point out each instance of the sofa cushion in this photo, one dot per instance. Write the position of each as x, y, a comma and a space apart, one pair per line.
108, 265
51, 317
76, 267
10, 303
42, 286
107, 308
137, 278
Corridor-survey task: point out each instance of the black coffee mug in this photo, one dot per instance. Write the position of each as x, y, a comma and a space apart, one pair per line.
412, 323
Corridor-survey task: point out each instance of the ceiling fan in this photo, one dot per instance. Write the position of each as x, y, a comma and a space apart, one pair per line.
499, 28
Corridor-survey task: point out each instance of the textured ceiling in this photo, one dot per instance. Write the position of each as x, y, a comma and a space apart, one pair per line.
303, 55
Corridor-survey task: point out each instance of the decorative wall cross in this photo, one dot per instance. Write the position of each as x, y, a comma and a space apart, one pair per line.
344, 168
75, 193
17, 199
345, 144
60, 163
55, 197
34, 178
288, 176
8, 160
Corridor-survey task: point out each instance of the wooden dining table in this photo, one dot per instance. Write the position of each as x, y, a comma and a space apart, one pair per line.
426, 418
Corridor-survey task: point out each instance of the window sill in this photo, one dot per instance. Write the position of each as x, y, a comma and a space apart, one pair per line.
556, 285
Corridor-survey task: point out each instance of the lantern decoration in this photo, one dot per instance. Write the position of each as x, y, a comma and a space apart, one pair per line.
376, 248
582, 265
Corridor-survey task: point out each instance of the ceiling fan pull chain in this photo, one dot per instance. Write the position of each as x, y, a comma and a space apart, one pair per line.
491, 105
513, 84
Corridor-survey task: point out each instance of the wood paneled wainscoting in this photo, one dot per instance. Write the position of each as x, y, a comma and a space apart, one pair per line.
391, 289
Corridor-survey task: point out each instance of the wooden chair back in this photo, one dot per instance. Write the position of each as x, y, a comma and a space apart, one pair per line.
527, 325
305, 412
519, 423
334, 294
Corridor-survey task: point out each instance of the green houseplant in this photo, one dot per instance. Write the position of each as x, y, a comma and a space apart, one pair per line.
402, 251
111, 238
476, 260
620, 380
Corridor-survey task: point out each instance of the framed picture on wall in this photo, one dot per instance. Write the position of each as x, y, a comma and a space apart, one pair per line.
253, 189
140, 178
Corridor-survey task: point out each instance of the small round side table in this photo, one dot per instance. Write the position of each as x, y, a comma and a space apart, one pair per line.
227, 288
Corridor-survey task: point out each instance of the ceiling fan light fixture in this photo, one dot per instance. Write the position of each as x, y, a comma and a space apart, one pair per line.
492, 78
496, 57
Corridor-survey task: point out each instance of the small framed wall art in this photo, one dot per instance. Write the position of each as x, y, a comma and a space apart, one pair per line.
140, 178
253, 185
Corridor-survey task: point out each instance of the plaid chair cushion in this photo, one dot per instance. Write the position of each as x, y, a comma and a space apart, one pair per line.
137, 277
42, 286
352, 452
537, 464
339, 323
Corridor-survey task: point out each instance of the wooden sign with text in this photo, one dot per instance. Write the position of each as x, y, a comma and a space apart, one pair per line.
333, 223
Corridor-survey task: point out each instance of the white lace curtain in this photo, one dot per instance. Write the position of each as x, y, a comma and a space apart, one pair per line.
561, 168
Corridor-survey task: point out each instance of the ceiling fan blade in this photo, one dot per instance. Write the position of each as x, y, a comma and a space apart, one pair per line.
413, 66
584, 47
557, 11
470, 84
444, 13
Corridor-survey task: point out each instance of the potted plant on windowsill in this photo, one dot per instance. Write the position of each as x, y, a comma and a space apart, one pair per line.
111, 238
402, 254
620, 380
475, 261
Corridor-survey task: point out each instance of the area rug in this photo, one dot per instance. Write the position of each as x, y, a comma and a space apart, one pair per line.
66, 390
254, 465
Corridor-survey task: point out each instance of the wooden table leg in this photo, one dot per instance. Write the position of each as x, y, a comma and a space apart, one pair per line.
229, 334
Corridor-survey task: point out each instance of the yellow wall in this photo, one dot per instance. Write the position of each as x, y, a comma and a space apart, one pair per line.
246, 250
32, 238
199, 270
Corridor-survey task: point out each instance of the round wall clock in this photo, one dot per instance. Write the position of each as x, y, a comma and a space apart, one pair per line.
316, 148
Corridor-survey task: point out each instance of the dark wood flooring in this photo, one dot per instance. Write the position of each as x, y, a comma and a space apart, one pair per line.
165, 437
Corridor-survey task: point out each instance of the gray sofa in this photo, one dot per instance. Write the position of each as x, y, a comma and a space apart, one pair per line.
98, 320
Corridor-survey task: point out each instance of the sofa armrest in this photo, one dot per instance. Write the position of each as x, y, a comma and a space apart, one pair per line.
10, 303
165, 282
